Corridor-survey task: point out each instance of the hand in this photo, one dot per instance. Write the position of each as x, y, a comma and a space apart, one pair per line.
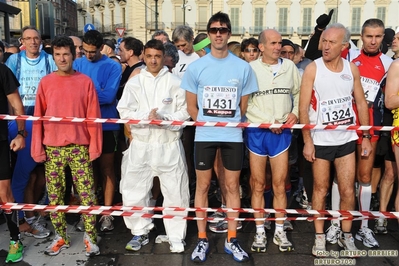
323, 20
153, 114
309, 152
366, 147
291, 119
276, 130
18, 143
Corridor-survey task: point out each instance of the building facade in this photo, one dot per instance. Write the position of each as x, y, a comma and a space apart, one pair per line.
51, 17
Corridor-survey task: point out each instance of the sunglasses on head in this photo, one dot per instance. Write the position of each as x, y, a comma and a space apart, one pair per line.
221, 30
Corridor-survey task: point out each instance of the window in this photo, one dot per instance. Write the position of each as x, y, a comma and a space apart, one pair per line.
235, 19
307, 17
282, 18
381, 11
334, 18
258, 21
356, 16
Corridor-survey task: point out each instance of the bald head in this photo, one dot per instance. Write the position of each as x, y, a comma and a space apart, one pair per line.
266, 33
270, 45
78, 45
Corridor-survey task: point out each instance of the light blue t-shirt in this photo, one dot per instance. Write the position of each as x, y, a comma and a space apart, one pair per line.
219, 85
29, 72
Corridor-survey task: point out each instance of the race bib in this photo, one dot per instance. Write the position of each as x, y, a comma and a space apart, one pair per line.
28, 100
219, 101
370, 88
337, 111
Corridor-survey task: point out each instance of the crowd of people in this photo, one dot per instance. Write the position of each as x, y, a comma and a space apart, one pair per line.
203, 78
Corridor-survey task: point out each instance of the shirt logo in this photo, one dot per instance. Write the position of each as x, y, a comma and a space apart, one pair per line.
346, 77
167, 101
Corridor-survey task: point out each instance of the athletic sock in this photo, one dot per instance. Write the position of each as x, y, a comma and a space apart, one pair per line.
260, 229
279, 227
335, 198
364, 200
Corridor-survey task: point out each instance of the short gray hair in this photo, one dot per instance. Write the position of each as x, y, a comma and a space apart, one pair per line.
347, 35
183, 32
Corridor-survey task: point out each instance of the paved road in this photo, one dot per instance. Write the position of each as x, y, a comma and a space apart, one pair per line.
113, 253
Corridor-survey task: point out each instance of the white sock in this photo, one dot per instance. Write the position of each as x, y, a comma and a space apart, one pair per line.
279, 227
335, 201
364, 200
260, 229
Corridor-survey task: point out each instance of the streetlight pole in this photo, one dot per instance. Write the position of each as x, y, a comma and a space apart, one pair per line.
184, 12
156, 14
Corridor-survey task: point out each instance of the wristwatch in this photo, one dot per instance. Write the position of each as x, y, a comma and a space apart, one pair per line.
367, 136
23, 133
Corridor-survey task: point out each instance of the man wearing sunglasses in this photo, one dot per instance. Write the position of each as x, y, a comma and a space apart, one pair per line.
249, 49
217, 89
275, 103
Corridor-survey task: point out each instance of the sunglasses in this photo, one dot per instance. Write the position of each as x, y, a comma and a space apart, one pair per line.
251, 50
221, 30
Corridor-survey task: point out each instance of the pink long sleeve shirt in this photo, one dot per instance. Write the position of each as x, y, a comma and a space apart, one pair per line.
66, 96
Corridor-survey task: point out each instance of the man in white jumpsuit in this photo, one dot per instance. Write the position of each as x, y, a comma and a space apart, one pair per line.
155, 93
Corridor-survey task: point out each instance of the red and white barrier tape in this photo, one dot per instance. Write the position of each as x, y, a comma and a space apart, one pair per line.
191, 123
138, 212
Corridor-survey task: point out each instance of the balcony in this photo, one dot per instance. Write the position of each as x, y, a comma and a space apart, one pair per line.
256, 30
355, 30
173, 25
305, 30
285, 30
200, 26
99, 3
81, 7
151, 26
237, 30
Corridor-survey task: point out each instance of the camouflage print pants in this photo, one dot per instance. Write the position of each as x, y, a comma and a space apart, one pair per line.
77, 157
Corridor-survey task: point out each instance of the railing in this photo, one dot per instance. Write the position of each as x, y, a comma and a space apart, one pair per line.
201, 25
151, 25
256, 30
285, 30
305, 30
173, 25
237, 30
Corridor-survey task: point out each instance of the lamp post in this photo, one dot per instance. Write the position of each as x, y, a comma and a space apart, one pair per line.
156, 14
184, 6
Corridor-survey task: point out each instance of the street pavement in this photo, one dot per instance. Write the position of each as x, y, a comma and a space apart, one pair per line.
112, 246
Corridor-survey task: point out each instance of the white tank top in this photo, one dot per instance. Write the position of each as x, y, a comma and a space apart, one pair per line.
332, 104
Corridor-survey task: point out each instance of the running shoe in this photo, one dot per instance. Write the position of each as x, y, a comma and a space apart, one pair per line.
319, 246
15, 252
281, 240
137, 242
217, 215
259, 244
233, 247
80, 226
200, 250
367, 236
222, 226
56, 246
106, 223
380, 226
333, 233
91, 248
347, 242
37, 230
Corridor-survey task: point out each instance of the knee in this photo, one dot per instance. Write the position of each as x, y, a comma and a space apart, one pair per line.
257, 185
346, 192
320, 191
232, 187
389, 177
364, 177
